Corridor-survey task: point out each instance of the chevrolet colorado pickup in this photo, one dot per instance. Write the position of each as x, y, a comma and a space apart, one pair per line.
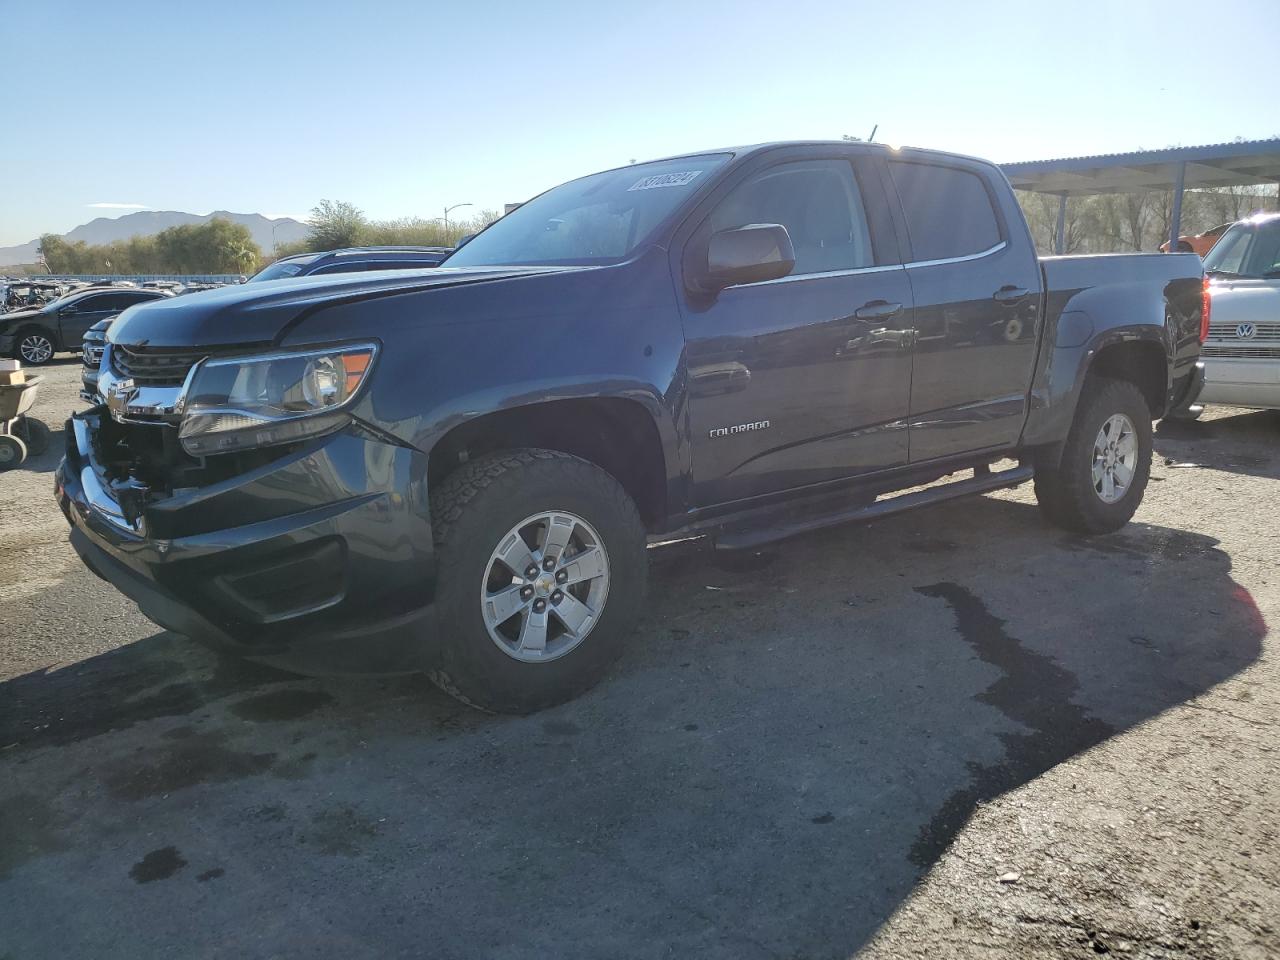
457, 470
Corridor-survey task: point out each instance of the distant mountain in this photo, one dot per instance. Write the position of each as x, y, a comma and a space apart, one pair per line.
144, 222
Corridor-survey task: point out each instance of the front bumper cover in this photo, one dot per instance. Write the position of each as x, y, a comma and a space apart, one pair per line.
320, 562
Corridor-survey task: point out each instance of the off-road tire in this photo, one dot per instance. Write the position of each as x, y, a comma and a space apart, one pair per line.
1064, 487
471, 512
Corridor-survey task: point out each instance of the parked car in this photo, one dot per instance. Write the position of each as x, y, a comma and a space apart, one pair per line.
352, 260
34, 336
92, 345
456, 470
1200, 243
1242, 351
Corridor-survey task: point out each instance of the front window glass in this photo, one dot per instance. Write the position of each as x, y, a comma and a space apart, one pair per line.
1247, 250
281, 269
817, 201
598, 219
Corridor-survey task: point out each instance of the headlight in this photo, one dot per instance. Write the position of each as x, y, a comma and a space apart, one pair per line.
243, 402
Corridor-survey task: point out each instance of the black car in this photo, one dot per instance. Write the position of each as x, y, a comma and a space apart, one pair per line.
92, 346
353, 260
34, 336
456, 470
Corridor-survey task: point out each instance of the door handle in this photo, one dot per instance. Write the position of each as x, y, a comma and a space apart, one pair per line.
1010, 294
878, 310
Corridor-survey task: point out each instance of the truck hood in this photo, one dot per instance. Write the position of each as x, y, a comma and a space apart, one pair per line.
258, 314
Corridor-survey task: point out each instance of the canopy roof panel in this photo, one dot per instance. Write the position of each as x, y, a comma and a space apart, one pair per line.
1214, 165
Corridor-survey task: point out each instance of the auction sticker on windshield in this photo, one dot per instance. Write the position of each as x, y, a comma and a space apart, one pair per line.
665, 180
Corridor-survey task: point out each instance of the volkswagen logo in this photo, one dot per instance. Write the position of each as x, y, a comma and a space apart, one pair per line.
1245, 331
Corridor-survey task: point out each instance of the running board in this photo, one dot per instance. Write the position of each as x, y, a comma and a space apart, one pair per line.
983, 481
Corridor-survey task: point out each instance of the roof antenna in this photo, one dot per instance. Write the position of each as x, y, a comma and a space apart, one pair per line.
872, 138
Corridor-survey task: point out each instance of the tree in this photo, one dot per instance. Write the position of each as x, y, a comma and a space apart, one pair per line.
336, 224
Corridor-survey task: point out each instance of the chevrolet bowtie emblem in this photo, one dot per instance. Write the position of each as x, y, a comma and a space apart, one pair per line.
118, 396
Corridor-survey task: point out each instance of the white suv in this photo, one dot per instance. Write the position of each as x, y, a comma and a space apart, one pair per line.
1242, 352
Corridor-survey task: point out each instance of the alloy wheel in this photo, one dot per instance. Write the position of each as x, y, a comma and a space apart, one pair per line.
545, 586
1115, 457
36, 348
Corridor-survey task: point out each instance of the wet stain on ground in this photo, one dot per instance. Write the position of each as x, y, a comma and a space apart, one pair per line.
28, 830
277, 705
341, 831
824, 818
203, 758
294, 768
208, 875
157, 865
1035, 692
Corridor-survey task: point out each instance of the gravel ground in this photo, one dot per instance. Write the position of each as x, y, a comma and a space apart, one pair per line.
958, 732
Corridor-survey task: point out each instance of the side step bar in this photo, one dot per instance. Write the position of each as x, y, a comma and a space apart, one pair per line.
982, 481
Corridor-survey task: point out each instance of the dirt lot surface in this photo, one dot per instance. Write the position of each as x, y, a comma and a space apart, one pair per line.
958, 732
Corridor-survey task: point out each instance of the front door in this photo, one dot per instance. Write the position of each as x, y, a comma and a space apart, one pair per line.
77, 317
807, 378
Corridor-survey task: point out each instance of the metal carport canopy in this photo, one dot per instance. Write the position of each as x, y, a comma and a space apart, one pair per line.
1215, 165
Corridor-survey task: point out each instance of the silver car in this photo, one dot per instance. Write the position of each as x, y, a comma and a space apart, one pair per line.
1242, 351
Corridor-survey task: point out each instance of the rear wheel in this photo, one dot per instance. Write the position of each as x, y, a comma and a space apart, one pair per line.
12, 451
1098, 482
34, 347
36, 435
541, 577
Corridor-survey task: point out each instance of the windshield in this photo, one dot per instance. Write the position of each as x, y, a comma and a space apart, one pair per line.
281, 269
598, 219
1248, 249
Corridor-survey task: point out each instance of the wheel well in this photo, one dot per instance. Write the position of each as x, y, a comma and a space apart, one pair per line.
617, 435
1142, 363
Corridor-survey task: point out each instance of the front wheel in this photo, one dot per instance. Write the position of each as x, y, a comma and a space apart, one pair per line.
541, 577
34, 347
1098, 482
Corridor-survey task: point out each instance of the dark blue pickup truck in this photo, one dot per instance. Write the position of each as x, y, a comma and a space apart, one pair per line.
456, 470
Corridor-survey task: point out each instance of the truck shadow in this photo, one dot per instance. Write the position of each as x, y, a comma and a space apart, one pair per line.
796, 737
1234, 444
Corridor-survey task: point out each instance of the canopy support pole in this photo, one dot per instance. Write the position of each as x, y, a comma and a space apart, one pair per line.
1175, 218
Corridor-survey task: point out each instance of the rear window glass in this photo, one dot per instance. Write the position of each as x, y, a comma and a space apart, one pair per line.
948, 211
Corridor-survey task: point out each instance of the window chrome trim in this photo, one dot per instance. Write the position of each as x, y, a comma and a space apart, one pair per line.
793, 277
972, 256
857, 271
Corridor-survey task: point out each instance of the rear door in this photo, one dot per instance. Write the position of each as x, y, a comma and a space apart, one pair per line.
807, 378
976, 284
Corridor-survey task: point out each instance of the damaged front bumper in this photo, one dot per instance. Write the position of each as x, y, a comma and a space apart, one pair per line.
319, 561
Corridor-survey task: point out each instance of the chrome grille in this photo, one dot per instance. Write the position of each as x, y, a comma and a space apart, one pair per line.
91, 354
154, 368
1227, 331
1241, 352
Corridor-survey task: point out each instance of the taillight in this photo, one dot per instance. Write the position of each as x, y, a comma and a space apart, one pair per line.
1205, 310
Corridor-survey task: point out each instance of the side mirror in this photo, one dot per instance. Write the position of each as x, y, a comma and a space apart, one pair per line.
749, 254
464, 240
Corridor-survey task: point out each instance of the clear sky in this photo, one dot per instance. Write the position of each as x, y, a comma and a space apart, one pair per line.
402, 107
